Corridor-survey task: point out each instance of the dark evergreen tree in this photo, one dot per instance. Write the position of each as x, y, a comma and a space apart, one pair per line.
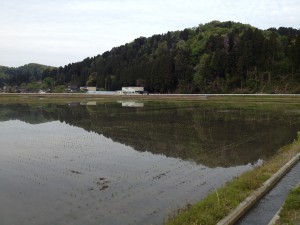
214, 57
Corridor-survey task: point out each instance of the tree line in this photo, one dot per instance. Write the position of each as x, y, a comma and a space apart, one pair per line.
217, 57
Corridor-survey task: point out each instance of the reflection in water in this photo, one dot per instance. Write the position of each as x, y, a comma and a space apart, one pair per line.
133, 104
88, 103
58, 174
188, 131
104, 164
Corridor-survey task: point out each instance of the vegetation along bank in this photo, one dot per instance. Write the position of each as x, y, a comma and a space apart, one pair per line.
290, 212
221, 202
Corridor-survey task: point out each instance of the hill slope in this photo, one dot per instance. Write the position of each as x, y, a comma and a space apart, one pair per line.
218, 57
23, 74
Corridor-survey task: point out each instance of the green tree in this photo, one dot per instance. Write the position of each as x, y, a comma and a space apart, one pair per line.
48, 82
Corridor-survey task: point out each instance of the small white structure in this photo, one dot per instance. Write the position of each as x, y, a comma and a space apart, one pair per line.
41, 92
131, 90
91, 88
102, 92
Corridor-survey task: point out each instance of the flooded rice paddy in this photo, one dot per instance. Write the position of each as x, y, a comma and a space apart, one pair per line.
126, 162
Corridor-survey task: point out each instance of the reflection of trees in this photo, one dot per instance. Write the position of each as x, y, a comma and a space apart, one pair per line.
30, 114
207, 135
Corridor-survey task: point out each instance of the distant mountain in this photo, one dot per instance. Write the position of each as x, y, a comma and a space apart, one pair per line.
23, 74
217, 57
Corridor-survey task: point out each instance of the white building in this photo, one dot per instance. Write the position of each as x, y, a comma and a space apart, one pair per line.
132, 90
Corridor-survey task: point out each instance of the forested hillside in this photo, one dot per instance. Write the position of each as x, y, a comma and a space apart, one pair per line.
23, 74
218, 57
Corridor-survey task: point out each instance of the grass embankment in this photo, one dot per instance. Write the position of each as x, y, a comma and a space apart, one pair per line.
8, 98
221, 202
290, 213
229, 100
46, 98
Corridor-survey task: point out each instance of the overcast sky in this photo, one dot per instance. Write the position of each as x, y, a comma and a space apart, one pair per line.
58, 32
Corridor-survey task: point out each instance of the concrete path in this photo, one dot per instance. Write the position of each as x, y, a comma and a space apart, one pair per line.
248, 203
263, 212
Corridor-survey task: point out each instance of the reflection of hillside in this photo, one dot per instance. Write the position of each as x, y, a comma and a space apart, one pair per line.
32, 115
207, 136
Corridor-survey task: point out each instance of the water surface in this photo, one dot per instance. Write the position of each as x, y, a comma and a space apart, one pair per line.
102, 163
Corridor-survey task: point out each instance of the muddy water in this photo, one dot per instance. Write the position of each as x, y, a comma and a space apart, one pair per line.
106, 164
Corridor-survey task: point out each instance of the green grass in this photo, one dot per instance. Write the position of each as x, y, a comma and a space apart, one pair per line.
290, 213
221, 202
